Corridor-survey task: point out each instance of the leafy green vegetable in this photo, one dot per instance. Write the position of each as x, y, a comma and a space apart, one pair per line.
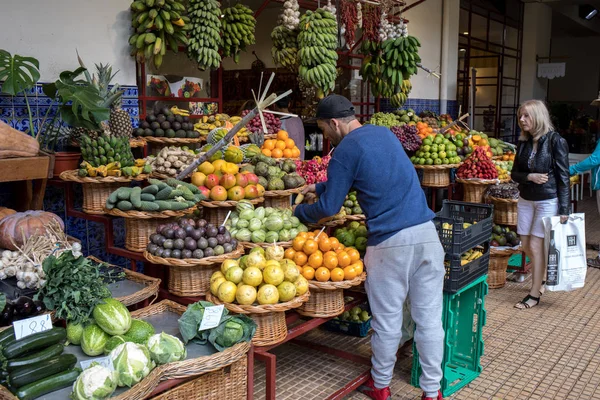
165, 348
74, 286
190, 322
232, 330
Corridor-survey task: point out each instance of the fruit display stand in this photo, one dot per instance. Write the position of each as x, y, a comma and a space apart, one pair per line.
270, 318
251, 245
35, 171
436, 176
139, 225
191, 277
215, 212
97, 189
498, 265
474, 189
327, 298
281, 198
156, 144
505, 210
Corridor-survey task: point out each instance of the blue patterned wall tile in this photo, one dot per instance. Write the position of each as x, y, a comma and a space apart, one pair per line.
119, 232
54, 199
140, 267
118, 261
77, 196
77, 228
98, 252
96, 234
130, 91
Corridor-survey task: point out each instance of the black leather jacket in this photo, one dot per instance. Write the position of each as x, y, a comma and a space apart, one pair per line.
552, 157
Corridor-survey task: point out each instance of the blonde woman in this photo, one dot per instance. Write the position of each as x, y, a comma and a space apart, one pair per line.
542, 171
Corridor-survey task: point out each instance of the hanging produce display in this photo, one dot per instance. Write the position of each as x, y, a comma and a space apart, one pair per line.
238, 25
349, 20
157, 24
285, 37
317, 43
205, 35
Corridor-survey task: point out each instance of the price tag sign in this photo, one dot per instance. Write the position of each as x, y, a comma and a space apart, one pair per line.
212, 317
104, 361
29, 326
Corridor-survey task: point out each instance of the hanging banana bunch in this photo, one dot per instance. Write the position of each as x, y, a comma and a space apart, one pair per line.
317, 43
401, 56
285, 47
205, 35
238, 27
157, 24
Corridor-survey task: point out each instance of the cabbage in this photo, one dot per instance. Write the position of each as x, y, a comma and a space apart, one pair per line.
284, 235
232, 330
242, 223
133, 363
247, 214
233, 232
287, 212
233, 221
93, 340
293, 233
302, 228
165, 348
258, 236
95, 383
287, 224
259, 213
295, 221
269, 211
274, 223
243, 235
272, 237
112, 316
255, 224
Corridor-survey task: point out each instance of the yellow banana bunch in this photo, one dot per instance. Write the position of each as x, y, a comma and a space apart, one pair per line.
317, 44
178, 111
238, 27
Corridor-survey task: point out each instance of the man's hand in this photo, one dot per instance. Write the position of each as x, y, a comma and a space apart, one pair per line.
312, 188
564, 219
539, 179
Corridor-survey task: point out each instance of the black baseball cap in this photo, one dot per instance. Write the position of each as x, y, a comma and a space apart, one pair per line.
334, 106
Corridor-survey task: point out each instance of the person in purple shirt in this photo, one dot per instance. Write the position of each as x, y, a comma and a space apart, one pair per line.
404, 257
292, 125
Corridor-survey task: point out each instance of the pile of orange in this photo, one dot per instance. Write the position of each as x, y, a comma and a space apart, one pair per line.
323, 258
282, 147
424, 130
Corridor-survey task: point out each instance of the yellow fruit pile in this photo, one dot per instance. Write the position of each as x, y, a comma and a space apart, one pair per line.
262, 277
218, 167
324, 258
282, 147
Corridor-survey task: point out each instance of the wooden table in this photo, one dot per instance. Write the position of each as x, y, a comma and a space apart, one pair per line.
34, 172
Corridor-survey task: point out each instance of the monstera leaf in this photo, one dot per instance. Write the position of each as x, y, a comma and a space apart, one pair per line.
82, 105
18, 73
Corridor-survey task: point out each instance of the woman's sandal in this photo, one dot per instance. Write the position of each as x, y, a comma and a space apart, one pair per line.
543, 288
528, 302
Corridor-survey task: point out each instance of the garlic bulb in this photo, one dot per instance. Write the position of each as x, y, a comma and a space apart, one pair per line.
388, 30
330, 7
291, 14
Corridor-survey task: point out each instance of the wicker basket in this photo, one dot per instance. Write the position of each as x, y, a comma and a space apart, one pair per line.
327, 298
358, 217
228, 383
97, 189
281, 198
173, 141
215, 212
137, 142
436, 175
498, 265
251, 245
505, 211
474, 189
270, 318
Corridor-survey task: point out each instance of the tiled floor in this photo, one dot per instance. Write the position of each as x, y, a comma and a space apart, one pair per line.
549, 352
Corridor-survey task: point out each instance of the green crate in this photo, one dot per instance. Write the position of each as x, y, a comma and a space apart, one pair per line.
516, 259
463, 318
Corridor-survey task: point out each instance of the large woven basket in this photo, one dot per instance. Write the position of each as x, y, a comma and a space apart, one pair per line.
327, 298
436, 175
270, 318
215, 212
498, 264
473, 189
281, 198
505, 210
192, 277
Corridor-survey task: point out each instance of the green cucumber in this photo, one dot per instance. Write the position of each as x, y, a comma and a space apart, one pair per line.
6, 336
124, 193
47, 353
135, 197
50, 384
147, 197
31, 373
35, 342
152, 189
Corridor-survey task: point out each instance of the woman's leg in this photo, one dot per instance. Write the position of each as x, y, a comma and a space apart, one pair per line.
536, 247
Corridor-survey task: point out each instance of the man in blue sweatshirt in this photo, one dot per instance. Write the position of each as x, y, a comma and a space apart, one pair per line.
404, 256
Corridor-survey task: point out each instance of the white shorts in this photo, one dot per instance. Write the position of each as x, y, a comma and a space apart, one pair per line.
530, 215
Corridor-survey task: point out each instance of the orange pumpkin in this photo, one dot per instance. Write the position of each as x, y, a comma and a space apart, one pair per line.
22, 225
5, 212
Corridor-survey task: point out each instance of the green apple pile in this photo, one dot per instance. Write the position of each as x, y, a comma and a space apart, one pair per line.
436, 150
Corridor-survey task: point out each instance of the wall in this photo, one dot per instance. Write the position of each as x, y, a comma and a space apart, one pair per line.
51, 31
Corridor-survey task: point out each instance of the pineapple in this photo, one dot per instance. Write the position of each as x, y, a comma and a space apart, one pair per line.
120, 122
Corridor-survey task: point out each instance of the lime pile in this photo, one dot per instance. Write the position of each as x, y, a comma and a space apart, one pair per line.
436, 150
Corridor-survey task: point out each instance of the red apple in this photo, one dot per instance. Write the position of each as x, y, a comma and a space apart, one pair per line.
211, 181
251, 192
241, 180
236, 193
227, 181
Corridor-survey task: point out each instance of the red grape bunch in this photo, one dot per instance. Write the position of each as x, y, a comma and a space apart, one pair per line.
273, 123
407, 134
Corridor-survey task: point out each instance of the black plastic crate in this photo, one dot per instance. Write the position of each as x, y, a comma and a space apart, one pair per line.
458, 276
454, 237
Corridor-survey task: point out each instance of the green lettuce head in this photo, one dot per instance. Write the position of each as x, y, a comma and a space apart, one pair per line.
95, 383
133, 363
165, 348
232, 330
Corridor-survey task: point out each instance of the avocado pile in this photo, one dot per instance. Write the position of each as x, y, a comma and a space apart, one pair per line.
504, 236
275, 174
166, 124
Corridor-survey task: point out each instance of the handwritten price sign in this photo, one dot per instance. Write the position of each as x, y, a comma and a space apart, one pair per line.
29, 326
106, 362
212, 317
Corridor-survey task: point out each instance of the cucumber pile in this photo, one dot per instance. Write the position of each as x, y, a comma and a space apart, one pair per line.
171, 195
36, 365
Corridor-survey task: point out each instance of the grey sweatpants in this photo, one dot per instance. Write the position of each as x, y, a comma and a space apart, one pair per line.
410, 263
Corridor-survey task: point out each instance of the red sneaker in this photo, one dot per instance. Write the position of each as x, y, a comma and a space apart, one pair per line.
439, 396
369, 390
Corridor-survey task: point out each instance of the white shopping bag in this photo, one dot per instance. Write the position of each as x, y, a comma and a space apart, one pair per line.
566, 254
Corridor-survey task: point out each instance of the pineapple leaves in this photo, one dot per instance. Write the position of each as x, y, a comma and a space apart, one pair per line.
18, 73
82, 105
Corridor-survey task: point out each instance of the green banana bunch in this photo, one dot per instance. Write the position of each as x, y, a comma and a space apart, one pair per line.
205, 36
157, 24
371, 68
317, 44
400, 56
238, 27
285, 47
